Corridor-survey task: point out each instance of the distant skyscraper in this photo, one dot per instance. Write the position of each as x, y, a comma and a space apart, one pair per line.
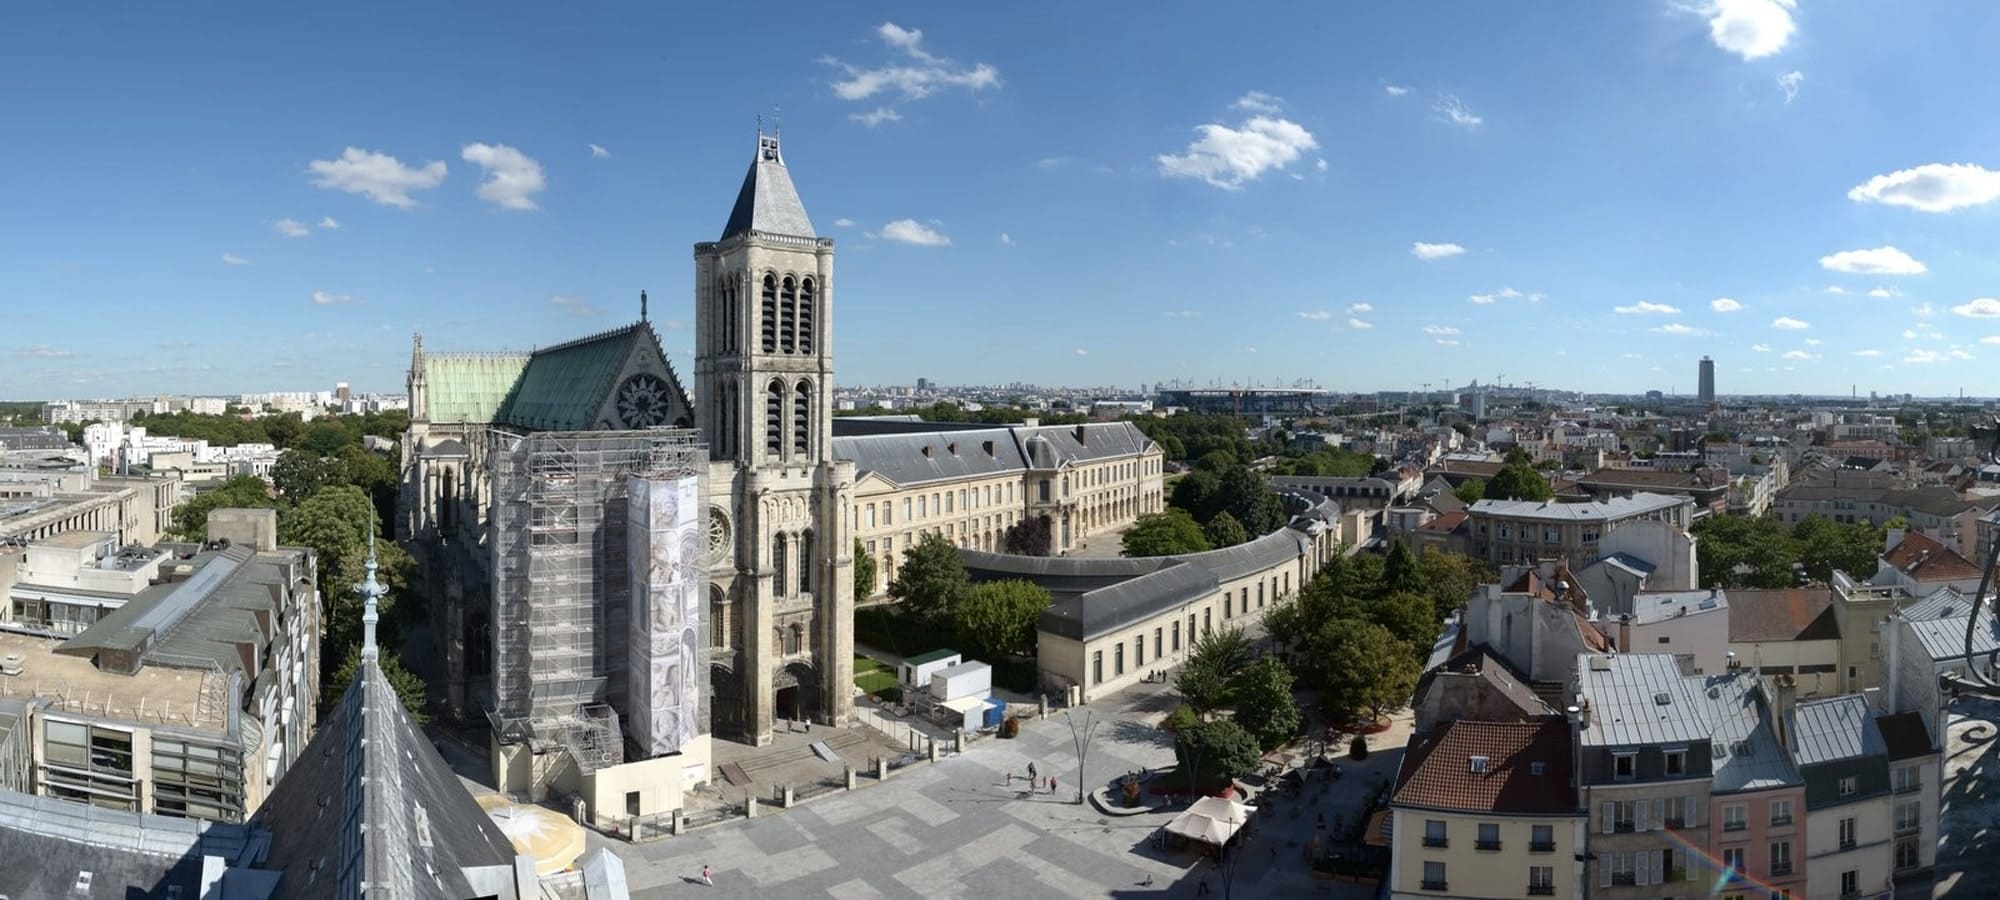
341, 393
1707, 381
923, 384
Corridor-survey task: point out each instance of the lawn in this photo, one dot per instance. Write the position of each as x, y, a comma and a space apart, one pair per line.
872, 677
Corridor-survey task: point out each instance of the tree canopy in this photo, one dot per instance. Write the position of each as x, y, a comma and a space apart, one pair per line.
1031, 536
1224, 531
930, 580
1264, 703
1518, 481
1360, 666
1735, 551
240, 492
1165, 533
1216, 752
409, 688
996, 619
1470, 491
1207, 679
864, 572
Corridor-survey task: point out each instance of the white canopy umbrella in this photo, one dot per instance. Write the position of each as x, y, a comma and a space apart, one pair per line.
1211, 820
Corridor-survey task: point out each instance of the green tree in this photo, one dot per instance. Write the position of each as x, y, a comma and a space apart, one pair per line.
1450, 578
1824, 545
864, 572
1215, 753
1206, 681
1265, 706
1734, 551
1519, 481
1164, 534
299, 473
996, 619
1247, 496
931, 579
1031, 536
1199, 494
1224, 531
1411, 617
1217, 461
240, 492
1359, 667
409, 688
1399, 569
1470, 491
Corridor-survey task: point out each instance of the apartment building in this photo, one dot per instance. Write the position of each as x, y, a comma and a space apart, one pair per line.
1849, 804
1646, 768
1875, 498
1757, 800
1511, 531
1487, 810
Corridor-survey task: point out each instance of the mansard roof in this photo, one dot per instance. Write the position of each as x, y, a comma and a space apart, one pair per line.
768, 203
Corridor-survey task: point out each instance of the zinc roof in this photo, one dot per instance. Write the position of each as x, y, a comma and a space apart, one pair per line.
1640, 698
1745, 752
1834, 728
1639, 503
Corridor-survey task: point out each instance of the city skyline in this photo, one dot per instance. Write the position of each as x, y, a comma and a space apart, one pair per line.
1595, 198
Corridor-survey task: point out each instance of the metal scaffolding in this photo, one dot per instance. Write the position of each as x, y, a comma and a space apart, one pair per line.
561, 587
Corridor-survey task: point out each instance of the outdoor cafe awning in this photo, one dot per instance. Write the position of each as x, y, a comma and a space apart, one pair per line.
1211, 820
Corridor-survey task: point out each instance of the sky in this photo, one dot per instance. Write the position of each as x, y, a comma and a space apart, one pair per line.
230, 197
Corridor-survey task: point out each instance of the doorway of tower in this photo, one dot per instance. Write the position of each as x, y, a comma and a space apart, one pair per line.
796, 693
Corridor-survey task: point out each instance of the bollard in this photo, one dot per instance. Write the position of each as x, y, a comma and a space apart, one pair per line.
1042, 707
881, 768
788, 799
749, 807
850, 778
934, 751
679, 824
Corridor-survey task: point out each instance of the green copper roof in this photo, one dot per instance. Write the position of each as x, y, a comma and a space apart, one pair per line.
565, 385
470, 387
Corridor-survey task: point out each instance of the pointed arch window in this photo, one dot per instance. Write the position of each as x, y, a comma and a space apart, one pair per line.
802, 420
732, 313
788, 316
778, 572
797, 643
770, 310
807, 295
774, 419
806, 561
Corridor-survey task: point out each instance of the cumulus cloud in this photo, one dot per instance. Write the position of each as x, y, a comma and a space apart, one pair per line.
234, 260
1812, 342
1883, 260
1229, 158
1428, 251
377, 176
1982, 308
1921, 355
1751, 29
1361, 308
1798, 354
322, 298
1079, 352
291, 228
512, 178
328, 223
1395, 90
1645, 307
1789, 83
1006, 239
1990, 339
877, 116
1885, 293
910, 231
913, 74
1787, 323
1317, 315
1257, 102
1679, 330
575, 306
1483, 299
1868, 353
1359, 325
597, 152
1440, 330
843, 222
1836, 289
1448, 342
1923, 310
1935, 188
1724, 305
1452, 110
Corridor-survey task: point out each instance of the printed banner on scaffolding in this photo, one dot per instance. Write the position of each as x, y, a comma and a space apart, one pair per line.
668, 575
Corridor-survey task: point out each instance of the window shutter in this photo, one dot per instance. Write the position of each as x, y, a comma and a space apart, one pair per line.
1639, 815
1688, 814
1659, 812
1641, 870
1659, 866
1604, 869
1606, 825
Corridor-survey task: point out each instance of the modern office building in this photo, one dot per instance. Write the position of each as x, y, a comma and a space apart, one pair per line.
1707, 379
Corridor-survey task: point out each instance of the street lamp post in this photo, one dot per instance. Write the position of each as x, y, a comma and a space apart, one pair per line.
1082, 741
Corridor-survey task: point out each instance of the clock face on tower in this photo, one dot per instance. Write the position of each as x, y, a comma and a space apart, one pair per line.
642, 401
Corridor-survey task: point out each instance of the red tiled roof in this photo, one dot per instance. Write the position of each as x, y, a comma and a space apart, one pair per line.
1444, 524
1923, 558
1437, 770
1776, 615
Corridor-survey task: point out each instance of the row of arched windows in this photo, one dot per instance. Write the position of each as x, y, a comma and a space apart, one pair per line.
785, 550
798, 400
785, 306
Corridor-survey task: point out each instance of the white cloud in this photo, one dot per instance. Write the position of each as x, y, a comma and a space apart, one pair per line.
377, 176
1990, 339
1361, 308
1631, 356
1249, 349
1982, 308
1440, 330
1879, 261
1182, 314
1320, 164
1799, 354
43, 351
1789, 83
1428, 251
1923, 310
1923, 356
1483, 299
1885, 293
511, 176
1317, 315
1395, 90
1450, 109
843, 222
1679, 330
329, 223
1079, 352
1787, 323
291, 228
1006, 239
597, 152
1935, 187
877, 116
1869, 353
1752, 29
918, 76
1959, 354
1644, 307
1813, 342
1359, 325
1835, 289
575, 306
1449, 342
1760, 348
1909, 335
1232, 157
1724, 305
1257, 102
323, 298
234, 260
910, 231
1507, 293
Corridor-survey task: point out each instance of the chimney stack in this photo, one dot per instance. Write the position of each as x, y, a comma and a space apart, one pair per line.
1785, 694
1891, 703
1625, 633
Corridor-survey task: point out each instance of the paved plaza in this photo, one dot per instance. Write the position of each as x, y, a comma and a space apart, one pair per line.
959, 829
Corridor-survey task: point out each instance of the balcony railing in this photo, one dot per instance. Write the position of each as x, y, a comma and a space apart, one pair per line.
1624, 879
1486, 845
1541, 890
1677, 875
1436, 842
1909, 788
1903, 828
1430, 885
1780, 869
1847, 844
1541, 846
1735, 826
1622, 827
1780, 821
1676, 824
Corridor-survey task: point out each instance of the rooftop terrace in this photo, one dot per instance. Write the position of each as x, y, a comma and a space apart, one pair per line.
158, 694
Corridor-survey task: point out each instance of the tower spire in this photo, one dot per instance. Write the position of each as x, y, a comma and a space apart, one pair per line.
642, 306
371, 591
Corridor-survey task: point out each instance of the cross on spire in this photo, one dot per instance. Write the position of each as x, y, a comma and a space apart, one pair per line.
371, 591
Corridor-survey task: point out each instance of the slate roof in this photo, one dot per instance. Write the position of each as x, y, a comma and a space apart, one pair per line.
1083, 443
1791, 614
469, 387
233, 597
370, 798
1626, 690
1101, 611
1745, 753
901, 457
1437, 769
562, 387
46, 844
767, 201
1498, 679
1638, 503
1925, 559
1905, 735
1834, 728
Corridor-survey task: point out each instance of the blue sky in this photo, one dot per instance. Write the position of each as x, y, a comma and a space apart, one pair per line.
1370, 195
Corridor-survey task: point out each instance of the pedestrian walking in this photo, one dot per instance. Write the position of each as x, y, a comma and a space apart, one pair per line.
707, 876
1031, 770
1052, 784
1201, 889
